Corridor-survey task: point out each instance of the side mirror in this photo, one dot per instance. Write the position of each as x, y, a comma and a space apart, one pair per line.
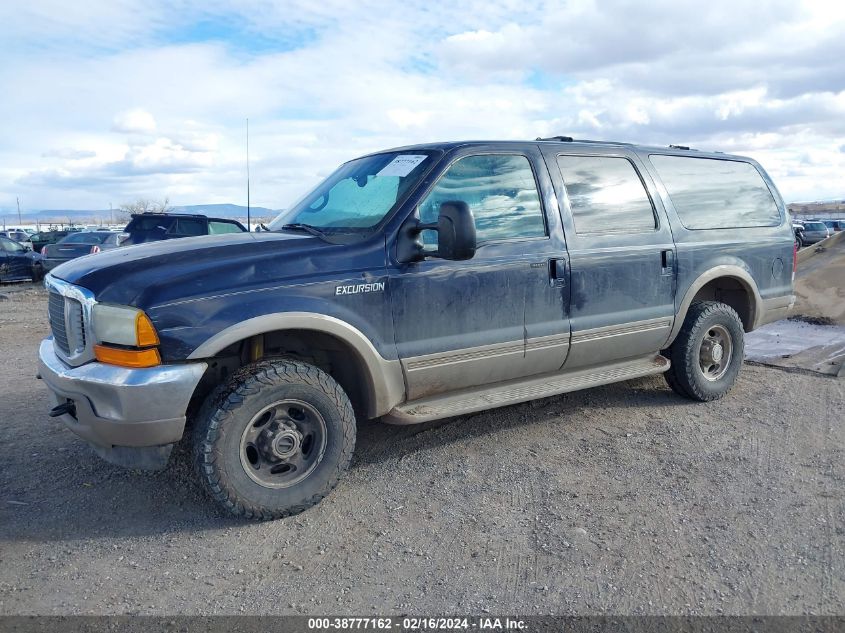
456, 238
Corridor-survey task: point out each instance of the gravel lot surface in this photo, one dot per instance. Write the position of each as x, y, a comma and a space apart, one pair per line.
621, 499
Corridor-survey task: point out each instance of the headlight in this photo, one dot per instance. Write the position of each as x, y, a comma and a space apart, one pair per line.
123, 326
128, 328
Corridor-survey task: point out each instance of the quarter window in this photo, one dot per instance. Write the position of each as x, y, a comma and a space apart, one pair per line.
216, 227
709, 193
501, 192
606, 195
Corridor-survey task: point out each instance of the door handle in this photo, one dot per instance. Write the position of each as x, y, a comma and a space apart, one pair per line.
667, 261
558, 271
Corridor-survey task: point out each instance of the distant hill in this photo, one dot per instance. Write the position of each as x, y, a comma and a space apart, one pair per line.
226, 210
85, 216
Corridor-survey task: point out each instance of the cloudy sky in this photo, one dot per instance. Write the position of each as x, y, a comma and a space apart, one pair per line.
106, 102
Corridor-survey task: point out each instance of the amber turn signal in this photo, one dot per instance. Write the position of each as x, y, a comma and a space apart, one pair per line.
127, 357
145, 333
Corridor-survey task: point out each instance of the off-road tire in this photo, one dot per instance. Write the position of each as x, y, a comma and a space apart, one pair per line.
228, 410
685, 376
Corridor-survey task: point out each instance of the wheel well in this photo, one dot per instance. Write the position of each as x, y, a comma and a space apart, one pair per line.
733, 292
329, 353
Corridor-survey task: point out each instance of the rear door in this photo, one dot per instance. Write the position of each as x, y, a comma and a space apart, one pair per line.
622, 255
460, 324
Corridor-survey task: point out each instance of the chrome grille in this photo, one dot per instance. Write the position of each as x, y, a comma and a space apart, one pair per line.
66, 323
56, 309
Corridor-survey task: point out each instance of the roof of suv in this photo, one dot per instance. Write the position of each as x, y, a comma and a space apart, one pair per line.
182, 215
567, 141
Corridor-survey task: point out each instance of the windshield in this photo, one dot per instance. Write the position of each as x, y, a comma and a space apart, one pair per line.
814, 226
359, 194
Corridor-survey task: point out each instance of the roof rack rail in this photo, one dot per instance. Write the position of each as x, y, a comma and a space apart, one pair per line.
569, 139
679, 147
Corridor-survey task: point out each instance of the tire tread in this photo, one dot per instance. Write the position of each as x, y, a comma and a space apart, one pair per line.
223, 403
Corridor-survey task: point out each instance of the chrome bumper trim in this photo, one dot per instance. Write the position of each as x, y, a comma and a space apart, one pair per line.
117, 406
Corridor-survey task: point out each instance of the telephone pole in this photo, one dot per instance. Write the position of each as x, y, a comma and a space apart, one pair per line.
248, 227
19, 209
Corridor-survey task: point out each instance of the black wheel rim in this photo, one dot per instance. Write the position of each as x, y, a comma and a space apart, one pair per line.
283, 443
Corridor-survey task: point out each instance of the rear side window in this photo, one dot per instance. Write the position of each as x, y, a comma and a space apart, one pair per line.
709, 193
606, 195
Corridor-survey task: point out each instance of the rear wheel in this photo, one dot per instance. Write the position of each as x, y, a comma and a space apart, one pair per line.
275, 439
707, 353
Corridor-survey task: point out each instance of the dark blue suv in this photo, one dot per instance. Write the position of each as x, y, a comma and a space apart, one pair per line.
415, 284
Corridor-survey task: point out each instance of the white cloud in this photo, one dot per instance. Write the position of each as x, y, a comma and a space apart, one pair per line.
125, 98
135, 121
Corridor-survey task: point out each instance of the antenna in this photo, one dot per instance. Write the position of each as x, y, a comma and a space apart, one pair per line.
248, 227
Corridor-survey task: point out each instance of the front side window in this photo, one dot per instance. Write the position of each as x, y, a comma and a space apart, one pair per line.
606, 195
359, 194
501, 192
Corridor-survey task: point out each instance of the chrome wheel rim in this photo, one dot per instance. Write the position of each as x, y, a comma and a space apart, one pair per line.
715, 353
283, 443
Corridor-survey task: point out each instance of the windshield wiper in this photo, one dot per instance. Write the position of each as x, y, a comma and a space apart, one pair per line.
299, 226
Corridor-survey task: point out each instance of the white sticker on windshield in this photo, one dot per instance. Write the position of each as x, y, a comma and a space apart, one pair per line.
402, 165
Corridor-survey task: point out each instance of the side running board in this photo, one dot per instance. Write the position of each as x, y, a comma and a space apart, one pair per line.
521, 390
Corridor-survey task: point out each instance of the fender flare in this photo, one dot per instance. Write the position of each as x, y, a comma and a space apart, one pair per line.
717, 272
385, 381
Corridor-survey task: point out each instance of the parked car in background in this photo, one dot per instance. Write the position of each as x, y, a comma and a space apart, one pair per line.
39, 240
76, 245
14, 234
154, 227
814, 231
798, 230
17, 263
834, 225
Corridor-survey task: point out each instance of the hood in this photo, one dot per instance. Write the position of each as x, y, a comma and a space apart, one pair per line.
150, 274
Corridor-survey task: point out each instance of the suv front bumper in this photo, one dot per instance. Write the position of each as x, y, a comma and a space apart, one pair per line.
118, 407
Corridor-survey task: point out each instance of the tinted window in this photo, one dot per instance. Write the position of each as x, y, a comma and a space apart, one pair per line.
814, 226
605, 194
710, 194
216, 227
150, 223
189, 226
499, 189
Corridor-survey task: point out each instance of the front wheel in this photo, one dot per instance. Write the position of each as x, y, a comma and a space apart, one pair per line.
275, 439
707, 354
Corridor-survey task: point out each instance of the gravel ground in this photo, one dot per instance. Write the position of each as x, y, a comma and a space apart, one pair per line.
620, 499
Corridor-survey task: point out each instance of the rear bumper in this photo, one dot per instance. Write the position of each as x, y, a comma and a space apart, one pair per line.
50, 264
121, 407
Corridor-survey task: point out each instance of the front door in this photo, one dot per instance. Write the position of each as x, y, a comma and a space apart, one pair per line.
462, 324
622, 256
